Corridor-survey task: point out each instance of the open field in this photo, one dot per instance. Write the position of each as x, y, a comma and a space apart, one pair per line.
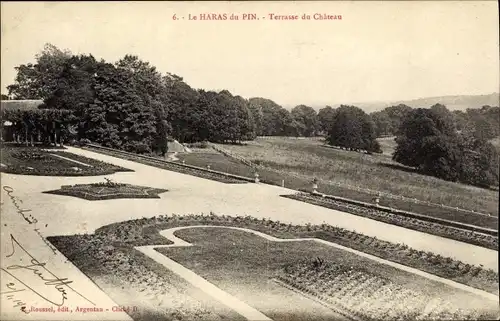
51, 162
245, 266
388, 145
299, 161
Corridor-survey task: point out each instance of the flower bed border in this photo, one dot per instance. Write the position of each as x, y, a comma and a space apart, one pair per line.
381, 214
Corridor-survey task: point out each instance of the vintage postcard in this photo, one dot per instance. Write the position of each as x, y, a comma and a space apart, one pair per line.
282, 161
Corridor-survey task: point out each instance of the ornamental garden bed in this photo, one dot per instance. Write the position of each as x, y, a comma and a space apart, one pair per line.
467, 236
364, 295
245, 265
107, 190
53, 162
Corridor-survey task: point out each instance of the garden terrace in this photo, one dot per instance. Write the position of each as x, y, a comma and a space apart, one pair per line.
222, 255
52, 162
146, 230
107, 190
171, 166
470, 234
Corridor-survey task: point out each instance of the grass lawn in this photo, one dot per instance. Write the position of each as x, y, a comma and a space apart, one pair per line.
388, 145
298, 161
53, 162
217, 162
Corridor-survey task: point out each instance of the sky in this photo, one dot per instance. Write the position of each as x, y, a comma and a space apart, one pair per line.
378, 51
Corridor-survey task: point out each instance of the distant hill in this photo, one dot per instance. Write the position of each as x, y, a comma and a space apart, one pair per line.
457, 102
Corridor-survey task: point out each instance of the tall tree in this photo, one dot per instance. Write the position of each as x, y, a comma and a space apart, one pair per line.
353, 129
39, 80
383, 123
118, 117
325, 118
428, 141
307, 120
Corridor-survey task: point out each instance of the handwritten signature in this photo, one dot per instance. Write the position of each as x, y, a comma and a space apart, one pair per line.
15, 200
39, 270
28, 218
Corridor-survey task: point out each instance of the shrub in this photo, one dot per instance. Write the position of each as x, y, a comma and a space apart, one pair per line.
84, 141
202, 144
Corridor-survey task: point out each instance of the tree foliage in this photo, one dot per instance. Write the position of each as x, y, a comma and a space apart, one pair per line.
45, 125
388, 120
271, 119
325, 118
39, 80
353, 129
305, 120
429, 141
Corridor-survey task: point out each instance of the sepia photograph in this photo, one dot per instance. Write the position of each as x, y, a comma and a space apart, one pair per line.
249, 160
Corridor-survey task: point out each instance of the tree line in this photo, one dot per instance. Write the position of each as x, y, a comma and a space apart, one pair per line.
484, 120
130, 105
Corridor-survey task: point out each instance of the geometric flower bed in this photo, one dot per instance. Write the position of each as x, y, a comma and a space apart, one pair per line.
53, 162
346, 283
471, 237
364, 295
143, 231
107, 190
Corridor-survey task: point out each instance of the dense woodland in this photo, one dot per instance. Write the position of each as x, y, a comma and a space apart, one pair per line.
130, 105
